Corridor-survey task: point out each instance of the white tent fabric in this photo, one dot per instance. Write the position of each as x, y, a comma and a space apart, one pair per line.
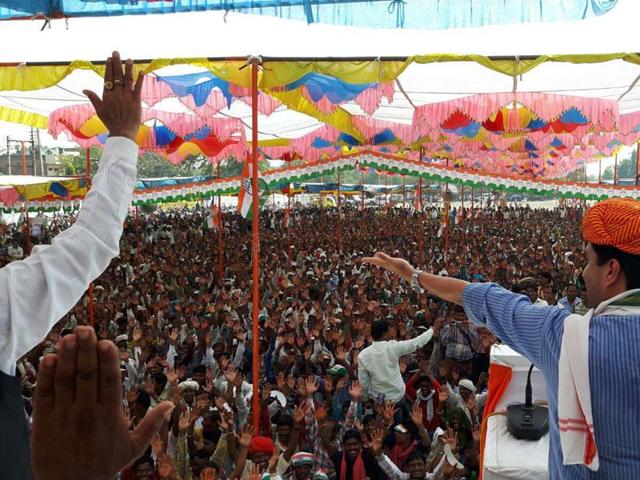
212, 34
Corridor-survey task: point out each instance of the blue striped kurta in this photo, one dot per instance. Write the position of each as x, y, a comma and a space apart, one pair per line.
614, 372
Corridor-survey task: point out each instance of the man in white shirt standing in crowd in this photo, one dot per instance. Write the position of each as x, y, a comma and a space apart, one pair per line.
36, 292
379, 364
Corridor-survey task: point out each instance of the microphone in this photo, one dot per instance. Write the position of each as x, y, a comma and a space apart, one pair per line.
528, 421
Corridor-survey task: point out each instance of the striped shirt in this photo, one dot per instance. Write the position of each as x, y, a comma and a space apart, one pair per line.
614, 372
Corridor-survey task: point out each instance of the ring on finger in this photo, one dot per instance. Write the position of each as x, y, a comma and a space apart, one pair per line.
119, 81
108, 85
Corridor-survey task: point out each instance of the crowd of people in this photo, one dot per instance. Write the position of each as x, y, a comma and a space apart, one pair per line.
361, 376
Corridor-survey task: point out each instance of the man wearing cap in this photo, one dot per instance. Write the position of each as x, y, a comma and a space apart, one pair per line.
589, 361
38, 291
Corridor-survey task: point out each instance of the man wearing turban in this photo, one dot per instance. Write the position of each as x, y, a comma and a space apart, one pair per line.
590, 362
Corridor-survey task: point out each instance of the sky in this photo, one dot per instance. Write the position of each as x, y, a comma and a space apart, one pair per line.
213, 34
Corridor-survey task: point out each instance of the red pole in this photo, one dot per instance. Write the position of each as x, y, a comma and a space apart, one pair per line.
24, 160
464, 236
88, 180
637, 163
220, 247
362, 196
421, 228
339, 217
255, 250
138, 246
288, 216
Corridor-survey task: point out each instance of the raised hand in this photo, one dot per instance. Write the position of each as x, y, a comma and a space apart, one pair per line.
207, 473
355, 390
341, 353
78, 414
389, 410
377, 439
120, 108
450, 438
184, 422
247, 434
157, 446
165, 466
399, 266
311, 386
403, 365
416, 415
298, 415
443, 394
137, 334
173, 336
477, 433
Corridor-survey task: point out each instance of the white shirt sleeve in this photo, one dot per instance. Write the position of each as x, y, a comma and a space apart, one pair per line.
409, 346
37, 292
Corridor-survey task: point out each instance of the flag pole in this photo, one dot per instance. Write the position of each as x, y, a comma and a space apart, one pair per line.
255, 240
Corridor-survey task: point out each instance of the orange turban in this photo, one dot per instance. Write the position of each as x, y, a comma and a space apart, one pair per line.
615, 223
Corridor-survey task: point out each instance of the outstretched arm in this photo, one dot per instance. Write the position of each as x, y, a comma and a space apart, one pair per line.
522, 326
36, 292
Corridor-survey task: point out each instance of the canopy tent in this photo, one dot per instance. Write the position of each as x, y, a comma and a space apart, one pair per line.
422, 14
532, 133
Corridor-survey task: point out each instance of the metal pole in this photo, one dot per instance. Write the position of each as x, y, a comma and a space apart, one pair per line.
40, 154
8, 155
615, 171
420, 227
339, 217
220, 245
24, 159
600, 171
362, 192
255, 250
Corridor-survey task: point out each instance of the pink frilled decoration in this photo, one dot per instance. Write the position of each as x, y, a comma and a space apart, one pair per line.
75, 117
154, 91
371, 127
546, 106
369, 100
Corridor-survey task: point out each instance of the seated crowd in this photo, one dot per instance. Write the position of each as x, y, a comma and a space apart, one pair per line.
184, 334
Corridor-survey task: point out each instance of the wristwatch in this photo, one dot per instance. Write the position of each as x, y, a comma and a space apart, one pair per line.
415, 281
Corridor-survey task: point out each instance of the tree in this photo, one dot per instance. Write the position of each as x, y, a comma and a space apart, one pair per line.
626, 169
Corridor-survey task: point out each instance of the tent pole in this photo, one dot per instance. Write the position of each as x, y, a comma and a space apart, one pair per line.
339, 217
615, 171
255, 247
287, 216
362, 191
464, 236
637, 164
599, 171
220, 244
420, 227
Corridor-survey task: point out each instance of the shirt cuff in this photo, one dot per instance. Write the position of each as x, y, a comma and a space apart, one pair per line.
473, 298
125, 148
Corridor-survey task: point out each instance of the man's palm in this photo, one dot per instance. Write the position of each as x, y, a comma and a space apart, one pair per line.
79, 427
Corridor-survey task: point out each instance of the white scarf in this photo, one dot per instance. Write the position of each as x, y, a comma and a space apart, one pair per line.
575, 416
429, 400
